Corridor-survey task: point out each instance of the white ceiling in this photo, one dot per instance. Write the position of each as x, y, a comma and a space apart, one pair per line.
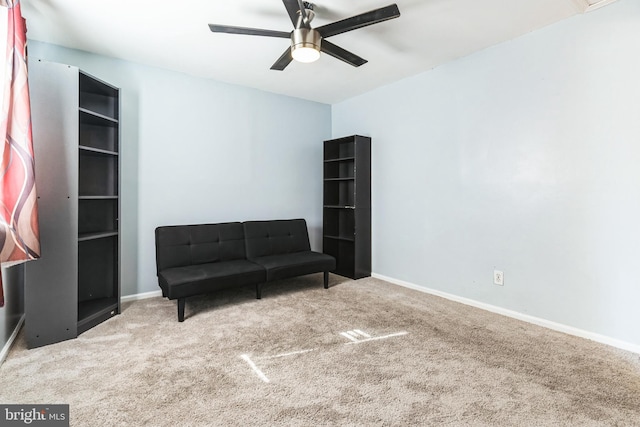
175, 36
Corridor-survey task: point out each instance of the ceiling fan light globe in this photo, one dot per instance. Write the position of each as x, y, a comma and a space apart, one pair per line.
305, 44
305, 54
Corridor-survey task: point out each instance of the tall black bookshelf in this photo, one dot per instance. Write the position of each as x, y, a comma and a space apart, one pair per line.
98, 202
76, 283
347, 205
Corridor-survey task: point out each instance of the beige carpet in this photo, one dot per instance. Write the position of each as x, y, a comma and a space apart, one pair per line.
363, 353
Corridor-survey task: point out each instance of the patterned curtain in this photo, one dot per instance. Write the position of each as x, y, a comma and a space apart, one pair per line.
19, 236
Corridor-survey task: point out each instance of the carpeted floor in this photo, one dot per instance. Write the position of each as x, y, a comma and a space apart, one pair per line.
363, 353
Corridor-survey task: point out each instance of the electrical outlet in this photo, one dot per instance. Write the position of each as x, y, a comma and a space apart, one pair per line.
498, 277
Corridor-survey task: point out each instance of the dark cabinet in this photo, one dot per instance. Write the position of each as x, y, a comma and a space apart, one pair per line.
76, 283
347, 205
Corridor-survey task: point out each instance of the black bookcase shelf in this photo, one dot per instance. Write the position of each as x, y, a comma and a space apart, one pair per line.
94, 311
347, 205
340, 159
76, 136
91, 117
92, 236
97, 197
97, 150
348, 239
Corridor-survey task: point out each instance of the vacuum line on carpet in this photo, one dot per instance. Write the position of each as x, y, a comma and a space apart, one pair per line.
397, 334
355, 336
253, 366
291, 353
349, 336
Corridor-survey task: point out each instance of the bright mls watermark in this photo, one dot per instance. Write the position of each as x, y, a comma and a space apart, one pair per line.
34, 415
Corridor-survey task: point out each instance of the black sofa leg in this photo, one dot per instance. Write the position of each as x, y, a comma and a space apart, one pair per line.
259, 291
181, 309
326, 280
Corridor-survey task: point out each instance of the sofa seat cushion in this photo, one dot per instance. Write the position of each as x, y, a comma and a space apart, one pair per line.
180, 282
295, 264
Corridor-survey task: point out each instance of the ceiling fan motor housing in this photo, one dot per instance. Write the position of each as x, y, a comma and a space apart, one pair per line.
305, 38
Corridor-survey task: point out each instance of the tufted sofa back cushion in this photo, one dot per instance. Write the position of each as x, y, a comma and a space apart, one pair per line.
183, 245
264, 238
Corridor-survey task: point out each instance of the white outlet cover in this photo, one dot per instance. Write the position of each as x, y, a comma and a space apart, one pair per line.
498, 277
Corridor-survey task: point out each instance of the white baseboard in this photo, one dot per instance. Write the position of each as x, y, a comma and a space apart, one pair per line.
143, 295
12, 338
603, 339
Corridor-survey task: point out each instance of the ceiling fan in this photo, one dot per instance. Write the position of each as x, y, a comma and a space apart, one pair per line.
307, 42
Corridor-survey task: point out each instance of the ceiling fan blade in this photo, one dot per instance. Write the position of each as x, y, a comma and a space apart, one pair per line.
341, 54
248, 31
293, 7
283, 61
359, 21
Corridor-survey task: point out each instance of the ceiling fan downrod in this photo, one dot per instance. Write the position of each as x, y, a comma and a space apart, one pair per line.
306, 14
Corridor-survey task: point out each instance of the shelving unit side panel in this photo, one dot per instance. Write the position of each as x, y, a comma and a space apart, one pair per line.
118, 209
51, 281
363, 172
362, 250
343, 252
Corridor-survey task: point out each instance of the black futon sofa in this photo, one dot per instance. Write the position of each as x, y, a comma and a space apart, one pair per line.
198, 259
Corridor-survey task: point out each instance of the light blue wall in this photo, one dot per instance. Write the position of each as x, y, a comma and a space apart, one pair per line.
195, 150
212, 152
523, 157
